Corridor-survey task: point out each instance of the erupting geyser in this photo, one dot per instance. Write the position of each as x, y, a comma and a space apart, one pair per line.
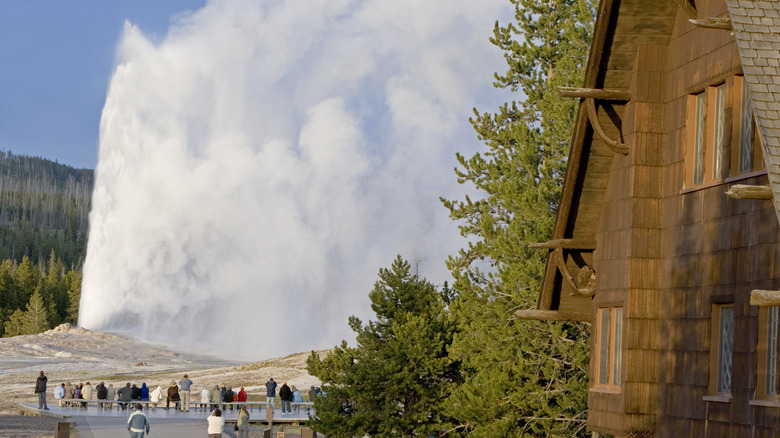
260, 164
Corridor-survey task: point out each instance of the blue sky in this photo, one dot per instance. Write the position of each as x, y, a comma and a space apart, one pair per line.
56, 60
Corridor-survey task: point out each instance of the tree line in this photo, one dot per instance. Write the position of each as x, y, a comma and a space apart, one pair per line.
454, 361
44, 209
37, 297
44, 206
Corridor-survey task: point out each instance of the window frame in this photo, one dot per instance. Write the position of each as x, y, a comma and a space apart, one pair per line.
707, 119
741, 98
613, 350
716, 126
696, 139
767, 352
721, 362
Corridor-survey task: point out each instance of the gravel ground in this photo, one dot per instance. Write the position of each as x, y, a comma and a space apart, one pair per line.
24, 426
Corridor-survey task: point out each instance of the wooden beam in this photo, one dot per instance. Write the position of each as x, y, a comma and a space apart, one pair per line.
615, 145
765, 297
746, 191
552, 315
713, 22
595, 93
565, 244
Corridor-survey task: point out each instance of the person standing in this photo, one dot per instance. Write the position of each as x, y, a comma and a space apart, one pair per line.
285, 394
216, 424
270, 393
59, 393
40, 389
228, 399
242, 423
216, 397
138, 424
184, 392
297, 397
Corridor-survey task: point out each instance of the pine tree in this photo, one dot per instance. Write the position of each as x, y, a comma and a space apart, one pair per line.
55, 292
521, 378
13, 327
394, 381
26, 280
73, 282
7, 287
35, 319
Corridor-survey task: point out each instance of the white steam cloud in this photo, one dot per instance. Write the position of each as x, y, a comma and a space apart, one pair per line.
260, 164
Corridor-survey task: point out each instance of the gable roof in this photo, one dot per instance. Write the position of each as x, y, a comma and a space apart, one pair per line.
756, 26
621, 26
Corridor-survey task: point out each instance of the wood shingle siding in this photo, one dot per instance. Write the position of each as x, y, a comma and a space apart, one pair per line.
672, 253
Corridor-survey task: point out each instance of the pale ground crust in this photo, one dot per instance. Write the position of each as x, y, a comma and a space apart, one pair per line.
78, 356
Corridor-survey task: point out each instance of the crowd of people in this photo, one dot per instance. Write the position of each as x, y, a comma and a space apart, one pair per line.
178, 395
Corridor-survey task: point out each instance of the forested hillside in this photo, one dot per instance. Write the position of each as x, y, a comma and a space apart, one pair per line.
44, 208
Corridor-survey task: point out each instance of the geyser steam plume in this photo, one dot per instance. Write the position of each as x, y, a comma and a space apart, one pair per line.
261, 162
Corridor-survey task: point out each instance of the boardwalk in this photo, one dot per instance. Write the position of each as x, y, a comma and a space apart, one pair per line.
109, 423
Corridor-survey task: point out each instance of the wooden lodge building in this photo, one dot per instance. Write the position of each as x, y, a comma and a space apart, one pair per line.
667, 237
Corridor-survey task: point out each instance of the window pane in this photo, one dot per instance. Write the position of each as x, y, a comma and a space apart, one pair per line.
720, 116
726, 347
603, 346
771, 351
617, 348
746, 131
698, 163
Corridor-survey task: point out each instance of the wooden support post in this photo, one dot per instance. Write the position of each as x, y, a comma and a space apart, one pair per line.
552, 315
565, 244
746, 191
62, 430
713, 22
595, 93
765, 297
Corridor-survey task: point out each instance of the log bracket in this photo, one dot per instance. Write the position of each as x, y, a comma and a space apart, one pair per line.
746, 191
723, 23
590, 95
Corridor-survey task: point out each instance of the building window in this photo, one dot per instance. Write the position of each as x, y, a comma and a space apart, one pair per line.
706, 135
609, 340
766, 385
746, 153
720, 131
697, 123
722, 347
699, 147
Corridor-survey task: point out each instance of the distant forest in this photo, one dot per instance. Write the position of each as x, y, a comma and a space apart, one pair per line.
44, 209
